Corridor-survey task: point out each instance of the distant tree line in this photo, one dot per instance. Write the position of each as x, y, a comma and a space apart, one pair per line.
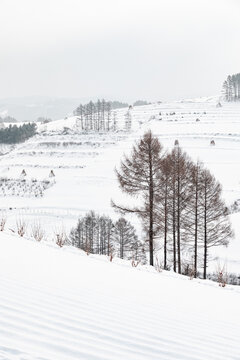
97, 234
231, 88
15, 134
140, 103
117, 104
8, 119
43, 120
182, 207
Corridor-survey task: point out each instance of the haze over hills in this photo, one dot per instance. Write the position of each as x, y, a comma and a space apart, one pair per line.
32, 107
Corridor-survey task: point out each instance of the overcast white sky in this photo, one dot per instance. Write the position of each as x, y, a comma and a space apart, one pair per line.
128, 49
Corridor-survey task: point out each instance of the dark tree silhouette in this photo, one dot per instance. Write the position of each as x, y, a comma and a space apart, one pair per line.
125, 238
139, 176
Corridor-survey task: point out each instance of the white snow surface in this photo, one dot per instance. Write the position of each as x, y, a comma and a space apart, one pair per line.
60, 304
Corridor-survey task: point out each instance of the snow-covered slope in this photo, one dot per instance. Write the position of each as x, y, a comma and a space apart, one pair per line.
60, 304
84, 164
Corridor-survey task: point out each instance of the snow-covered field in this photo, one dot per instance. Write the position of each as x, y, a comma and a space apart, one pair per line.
84, 164
60, 304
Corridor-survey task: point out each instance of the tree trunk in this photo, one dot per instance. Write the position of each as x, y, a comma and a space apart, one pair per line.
150, 209
205, 237
178, 227
165, 229
196, 229
121, 244
108, 245
174, 231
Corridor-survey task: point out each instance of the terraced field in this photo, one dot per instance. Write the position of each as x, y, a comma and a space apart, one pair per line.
83, 163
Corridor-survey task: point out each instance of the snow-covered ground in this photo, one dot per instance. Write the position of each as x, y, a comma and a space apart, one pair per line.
84, 164
60, 304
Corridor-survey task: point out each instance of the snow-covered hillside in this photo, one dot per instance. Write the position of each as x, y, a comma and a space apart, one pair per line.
59, 303
84, 164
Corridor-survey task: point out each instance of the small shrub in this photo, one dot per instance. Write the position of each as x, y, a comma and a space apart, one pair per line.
37, 231
3, 220
21, 227
222, 275
60, 237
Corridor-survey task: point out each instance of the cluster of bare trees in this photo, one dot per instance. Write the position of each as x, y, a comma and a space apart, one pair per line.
100, 116
181, 205
96, 116
231, 88
100, 235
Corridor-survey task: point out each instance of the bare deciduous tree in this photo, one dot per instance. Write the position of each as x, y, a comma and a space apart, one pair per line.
125, 238
138, 176
217, 228
195, 211
180, 166
37, 231
3, 220
163, 199
60, 237
21, 225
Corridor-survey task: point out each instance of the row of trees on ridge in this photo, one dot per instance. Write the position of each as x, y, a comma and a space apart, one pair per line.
8, 119
98, 116
101, 115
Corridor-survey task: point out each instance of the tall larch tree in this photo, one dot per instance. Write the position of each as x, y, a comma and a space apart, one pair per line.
138, 176
216, 224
